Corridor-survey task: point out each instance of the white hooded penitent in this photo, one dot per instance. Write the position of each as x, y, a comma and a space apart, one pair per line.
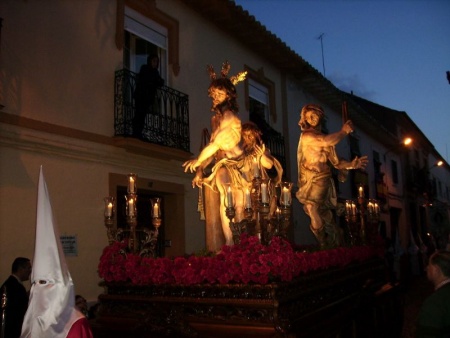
51, 310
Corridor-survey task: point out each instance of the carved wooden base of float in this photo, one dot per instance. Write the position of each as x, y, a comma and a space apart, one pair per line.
319, 304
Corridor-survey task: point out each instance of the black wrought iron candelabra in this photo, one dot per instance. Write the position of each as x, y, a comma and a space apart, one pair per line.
362, 218
141, 240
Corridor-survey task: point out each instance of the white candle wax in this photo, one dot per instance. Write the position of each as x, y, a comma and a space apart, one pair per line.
285, 194
155, 210
131, 207
248, 200
131, 184
361, 192
109, 209
264, 197
229, 197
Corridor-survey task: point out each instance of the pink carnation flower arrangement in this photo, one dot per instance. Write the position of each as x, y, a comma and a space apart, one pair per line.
247, 262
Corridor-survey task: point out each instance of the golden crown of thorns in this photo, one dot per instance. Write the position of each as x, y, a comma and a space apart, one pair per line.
224, 73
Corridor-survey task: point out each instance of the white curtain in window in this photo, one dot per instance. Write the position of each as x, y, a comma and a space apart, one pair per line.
143, 27
258, 92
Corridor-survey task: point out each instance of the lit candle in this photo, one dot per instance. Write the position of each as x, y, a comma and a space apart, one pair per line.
353, 208
285, 196
155, 210
278, 212
361, 191
229, 197
131, 207
248, 200
131, 184
109, 209
255, 168
264, 197
347, 208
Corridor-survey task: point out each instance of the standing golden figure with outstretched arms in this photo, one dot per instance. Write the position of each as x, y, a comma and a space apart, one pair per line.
315, 153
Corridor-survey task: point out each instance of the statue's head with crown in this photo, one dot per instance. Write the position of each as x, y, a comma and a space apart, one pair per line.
222, 89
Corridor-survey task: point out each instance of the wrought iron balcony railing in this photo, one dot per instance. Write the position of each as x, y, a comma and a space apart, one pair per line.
167, 120
275, 142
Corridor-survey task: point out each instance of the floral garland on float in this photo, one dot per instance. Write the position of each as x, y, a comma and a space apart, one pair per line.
246, 262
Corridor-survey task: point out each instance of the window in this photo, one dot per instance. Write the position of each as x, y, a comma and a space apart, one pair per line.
145, 20
260, 94
354, 146
417, 158
143, 37
376, 164
259, 100
381, 190
394, 171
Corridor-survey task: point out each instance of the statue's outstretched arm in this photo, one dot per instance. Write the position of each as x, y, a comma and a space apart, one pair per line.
206, 153
356, 163
334, 138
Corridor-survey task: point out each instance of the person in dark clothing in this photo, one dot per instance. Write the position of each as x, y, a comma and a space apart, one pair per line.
16, 297
434, 316
148, 80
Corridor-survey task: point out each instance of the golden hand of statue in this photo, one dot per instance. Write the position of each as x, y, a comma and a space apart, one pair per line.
259, 151
191, 165
360, 162
348, 127
197, 181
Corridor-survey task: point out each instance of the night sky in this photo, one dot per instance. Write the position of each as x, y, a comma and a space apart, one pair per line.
394, 53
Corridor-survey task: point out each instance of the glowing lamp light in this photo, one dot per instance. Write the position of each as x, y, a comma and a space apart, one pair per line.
407, 141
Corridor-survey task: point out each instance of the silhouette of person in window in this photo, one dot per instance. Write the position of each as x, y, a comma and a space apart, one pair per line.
148, 80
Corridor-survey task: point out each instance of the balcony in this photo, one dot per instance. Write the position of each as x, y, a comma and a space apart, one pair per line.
273, 140
167, 122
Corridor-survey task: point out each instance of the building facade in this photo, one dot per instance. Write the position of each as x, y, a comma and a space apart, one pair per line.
68, 76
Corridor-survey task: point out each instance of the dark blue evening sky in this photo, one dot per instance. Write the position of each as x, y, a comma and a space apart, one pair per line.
392, 52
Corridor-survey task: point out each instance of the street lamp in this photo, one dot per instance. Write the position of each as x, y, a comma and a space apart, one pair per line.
407, 141
437, 164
